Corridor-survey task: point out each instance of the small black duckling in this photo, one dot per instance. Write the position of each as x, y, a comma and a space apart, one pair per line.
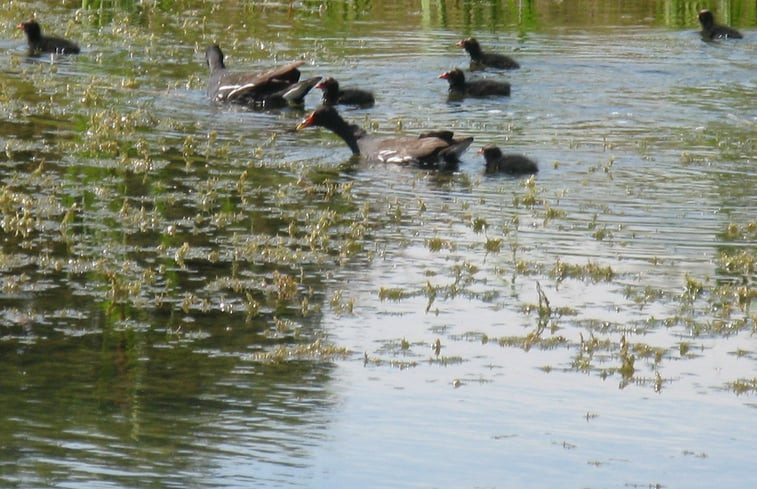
711, 30
513, 164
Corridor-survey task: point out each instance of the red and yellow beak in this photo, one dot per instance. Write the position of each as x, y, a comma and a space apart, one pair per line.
306, 122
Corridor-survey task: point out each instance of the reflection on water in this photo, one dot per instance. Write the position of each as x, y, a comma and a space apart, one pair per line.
198, 296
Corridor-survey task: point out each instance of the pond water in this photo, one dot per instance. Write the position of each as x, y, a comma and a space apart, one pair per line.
199, 296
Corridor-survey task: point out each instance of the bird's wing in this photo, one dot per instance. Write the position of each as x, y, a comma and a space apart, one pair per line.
234, 86
408, 150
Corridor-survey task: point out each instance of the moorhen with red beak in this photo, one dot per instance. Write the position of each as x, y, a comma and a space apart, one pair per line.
492, 60
275, 88
46, 44
711, 30
513, 164
477, 88
333, 95
434, 149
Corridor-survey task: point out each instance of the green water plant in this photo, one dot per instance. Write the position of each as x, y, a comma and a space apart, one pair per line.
315, 350
591, 270
743, 386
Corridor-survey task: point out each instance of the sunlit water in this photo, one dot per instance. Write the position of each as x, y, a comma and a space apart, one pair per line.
129, 361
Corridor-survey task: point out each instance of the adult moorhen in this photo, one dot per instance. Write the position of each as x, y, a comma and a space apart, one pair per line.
477, 88
434, 149
711, 30
333, 95
514, 164
45, 44
275, 88
492, 60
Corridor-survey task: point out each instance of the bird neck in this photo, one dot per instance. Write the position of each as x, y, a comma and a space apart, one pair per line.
350, 133
216, 65
456, 84
331, 94
474, 51
34, 34
214, 58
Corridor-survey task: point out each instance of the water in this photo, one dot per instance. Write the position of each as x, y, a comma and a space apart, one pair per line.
198, 296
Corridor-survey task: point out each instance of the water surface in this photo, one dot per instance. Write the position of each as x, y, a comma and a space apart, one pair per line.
198, 296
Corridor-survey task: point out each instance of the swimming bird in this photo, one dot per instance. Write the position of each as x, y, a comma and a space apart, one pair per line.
476, 88
45, 44
434, 149
711, 30
493, 60
275, 88
514, 164
333, 94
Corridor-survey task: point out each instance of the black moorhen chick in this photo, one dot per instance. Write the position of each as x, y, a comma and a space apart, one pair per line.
434, 149
514, 164
477, 88
275, 88
711, 30
333, 95
492, 60
46, 44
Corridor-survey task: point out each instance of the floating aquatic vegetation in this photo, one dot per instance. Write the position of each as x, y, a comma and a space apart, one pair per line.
591, 271
446, 361
742, 386
315, 350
